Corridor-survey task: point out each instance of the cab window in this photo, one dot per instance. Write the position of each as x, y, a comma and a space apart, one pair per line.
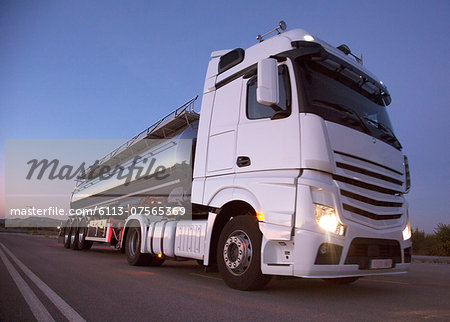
259, 111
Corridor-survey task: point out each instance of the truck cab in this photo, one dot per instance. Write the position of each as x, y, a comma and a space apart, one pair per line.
298, 131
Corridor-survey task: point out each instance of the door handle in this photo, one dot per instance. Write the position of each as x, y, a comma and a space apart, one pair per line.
243, 161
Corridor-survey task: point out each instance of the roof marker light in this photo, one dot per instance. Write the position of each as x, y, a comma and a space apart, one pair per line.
308, 38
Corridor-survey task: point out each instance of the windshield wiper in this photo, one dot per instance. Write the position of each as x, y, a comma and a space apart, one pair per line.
346, 109
390, 134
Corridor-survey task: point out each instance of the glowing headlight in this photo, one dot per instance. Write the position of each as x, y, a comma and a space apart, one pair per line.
308, 38
327, 219
407, 231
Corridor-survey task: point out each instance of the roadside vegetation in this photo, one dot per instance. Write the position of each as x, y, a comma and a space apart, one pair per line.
436, 244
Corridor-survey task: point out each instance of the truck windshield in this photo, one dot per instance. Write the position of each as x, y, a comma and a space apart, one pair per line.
342, 96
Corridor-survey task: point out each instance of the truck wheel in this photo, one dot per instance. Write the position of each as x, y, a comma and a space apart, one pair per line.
74, 235
155, 261
133, 248
341, 280
83, 244
66, 234
239, 254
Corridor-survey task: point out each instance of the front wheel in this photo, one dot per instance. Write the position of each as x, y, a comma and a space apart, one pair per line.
239, 254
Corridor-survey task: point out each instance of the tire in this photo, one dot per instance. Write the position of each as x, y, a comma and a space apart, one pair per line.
82, 243
239, 254
74, 235
155, 261
66, 233
133, 250
341, 280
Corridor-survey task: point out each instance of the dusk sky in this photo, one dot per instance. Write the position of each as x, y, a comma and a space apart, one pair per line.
108, 69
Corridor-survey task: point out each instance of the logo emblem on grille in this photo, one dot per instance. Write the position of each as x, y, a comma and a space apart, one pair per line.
374, 140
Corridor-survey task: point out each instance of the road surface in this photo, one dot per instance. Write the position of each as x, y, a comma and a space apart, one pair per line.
42, 280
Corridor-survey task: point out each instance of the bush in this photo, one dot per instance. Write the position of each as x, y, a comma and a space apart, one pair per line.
442, 240
437, 244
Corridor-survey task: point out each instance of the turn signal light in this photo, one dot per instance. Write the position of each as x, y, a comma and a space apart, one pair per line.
260, 216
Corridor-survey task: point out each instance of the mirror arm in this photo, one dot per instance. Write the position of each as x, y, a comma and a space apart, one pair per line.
279, 58
280, 115
276, 108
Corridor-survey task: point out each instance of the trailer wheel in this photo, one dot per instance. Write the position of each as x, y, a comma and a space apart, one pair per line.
74, 235
239, 254
67, 228
341, 280
83, 244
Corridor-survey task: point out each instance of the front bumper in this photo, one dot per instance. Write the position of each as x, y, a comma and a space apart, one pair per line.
298, 255
295, 251
307, 247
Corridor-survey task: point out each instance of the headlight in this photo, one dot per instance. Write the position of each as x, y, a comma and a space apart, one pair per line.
407, 231
327, 219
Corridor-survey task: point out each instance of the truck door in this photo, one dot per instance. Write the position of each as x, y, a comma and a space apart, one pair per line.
267, 141
222, 133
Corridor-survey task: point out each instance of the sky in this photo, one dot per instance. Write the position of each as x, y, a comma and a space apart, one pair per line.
108, 69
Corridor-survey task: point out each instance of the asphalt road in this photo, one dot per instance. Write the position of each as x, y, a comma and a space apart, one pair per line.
41, 279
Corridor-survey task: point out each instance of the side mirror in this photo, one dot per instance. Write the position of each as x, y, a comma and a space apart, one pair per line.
267, 91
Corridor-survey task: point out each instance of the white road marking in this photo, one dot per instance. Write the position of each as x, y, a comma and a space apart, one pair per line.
65, 308
37, 308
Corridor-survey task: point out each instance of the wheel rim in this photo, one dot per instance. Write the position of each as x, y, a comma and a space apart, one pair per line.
81, 234
66, 235
72, 236
133, 245
237, 252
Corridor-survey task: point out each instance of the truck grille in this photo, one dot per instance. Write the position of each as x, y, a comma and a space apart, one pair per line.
362, 250
371, 193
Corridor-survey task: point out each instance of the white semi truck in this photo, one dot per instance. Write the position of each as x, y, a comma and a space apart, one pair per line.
291, 168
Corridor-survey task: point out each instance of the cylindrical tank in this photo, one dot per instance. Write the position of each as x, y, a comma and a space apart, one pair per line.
155, 172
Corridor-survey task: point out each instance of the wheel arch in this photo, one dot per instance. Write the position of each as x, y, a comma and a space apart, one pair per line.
231, 194
229, 210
